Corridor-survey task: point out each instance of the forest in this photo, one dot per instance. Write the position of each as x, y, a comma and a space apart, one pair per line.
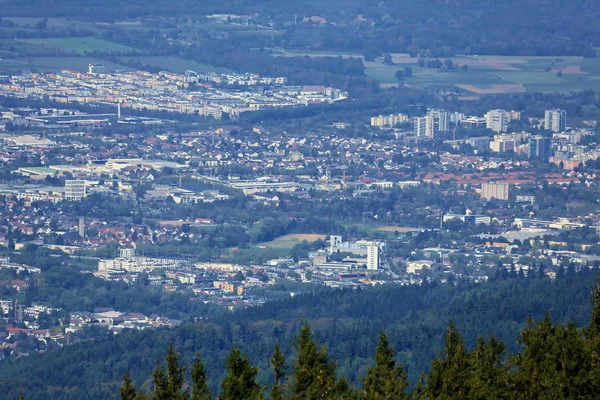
425, 27
346, 322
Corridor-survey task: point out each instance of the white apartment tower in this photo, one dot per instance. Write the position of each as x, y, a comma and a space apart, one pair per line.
74, 190
497, 120
555, 120
373, 257
420, 126
432, 127
443, 118
428, 127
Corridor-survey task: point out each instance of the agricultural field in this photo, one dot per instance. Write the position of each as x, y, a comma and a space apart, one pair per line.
82, 45
495, 74
290, 240
172, 64
316, 53
58, 23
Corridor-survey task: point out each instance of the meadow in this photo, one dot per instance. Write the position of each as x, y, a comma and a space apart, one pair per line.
495, 74
172, 64
290, 240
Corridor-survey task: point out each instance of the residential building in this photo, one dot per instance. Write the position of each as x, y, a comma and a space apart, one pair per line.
497, 120
388, 120
493, 190
74, 190
443, 119
540, 147
479, 143
555, 120
373, 256
127, 253
432, 127
420, 126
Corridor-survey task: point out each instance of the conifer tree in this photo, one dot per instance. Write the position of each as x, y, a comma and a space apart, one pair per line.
200, 389
592, 334
489, 378
450, 373
278, 363
385, 380
313, 376
159, 380
127, 390
175, 376
240, 382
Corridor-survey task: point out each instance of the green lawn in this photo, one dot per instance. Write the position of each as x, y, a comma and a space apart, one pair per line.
173, 64
82, 44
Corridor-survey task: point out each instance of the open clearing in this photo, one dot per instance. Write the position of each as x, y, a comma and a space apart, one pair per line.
490, 74
290, 240
172, 64
401, 229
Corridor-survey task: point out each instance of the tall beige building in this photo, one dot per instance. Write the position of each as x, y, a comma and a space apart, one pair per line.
495, 191
373, 256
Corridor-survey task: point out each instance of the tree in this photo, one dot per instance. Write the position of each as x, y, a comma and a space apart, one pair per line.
449, 64
200, 389
127, 390
278, 363
314, 376
449, 373
159, 380
385, 380
387, 59
407, 72
175, 372
240, 382
399, 75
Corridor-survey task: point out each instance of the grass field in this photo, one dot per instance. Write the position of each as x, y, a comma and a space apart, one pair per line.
401, 229
484, 74
292, 239
497, 74
82, 44
173, 64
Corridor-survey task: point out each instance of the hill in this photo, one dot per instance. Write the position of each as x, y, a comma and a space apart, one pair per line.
415, 319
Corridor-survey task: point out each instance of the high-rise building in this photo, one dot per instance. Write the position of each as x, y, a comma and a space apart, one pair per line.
81, 227
494, 191
497, 120
127, 252
428, 126
420, 126
373, 256
555, 120
432, 127
443, 118
540, 147
74, 190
